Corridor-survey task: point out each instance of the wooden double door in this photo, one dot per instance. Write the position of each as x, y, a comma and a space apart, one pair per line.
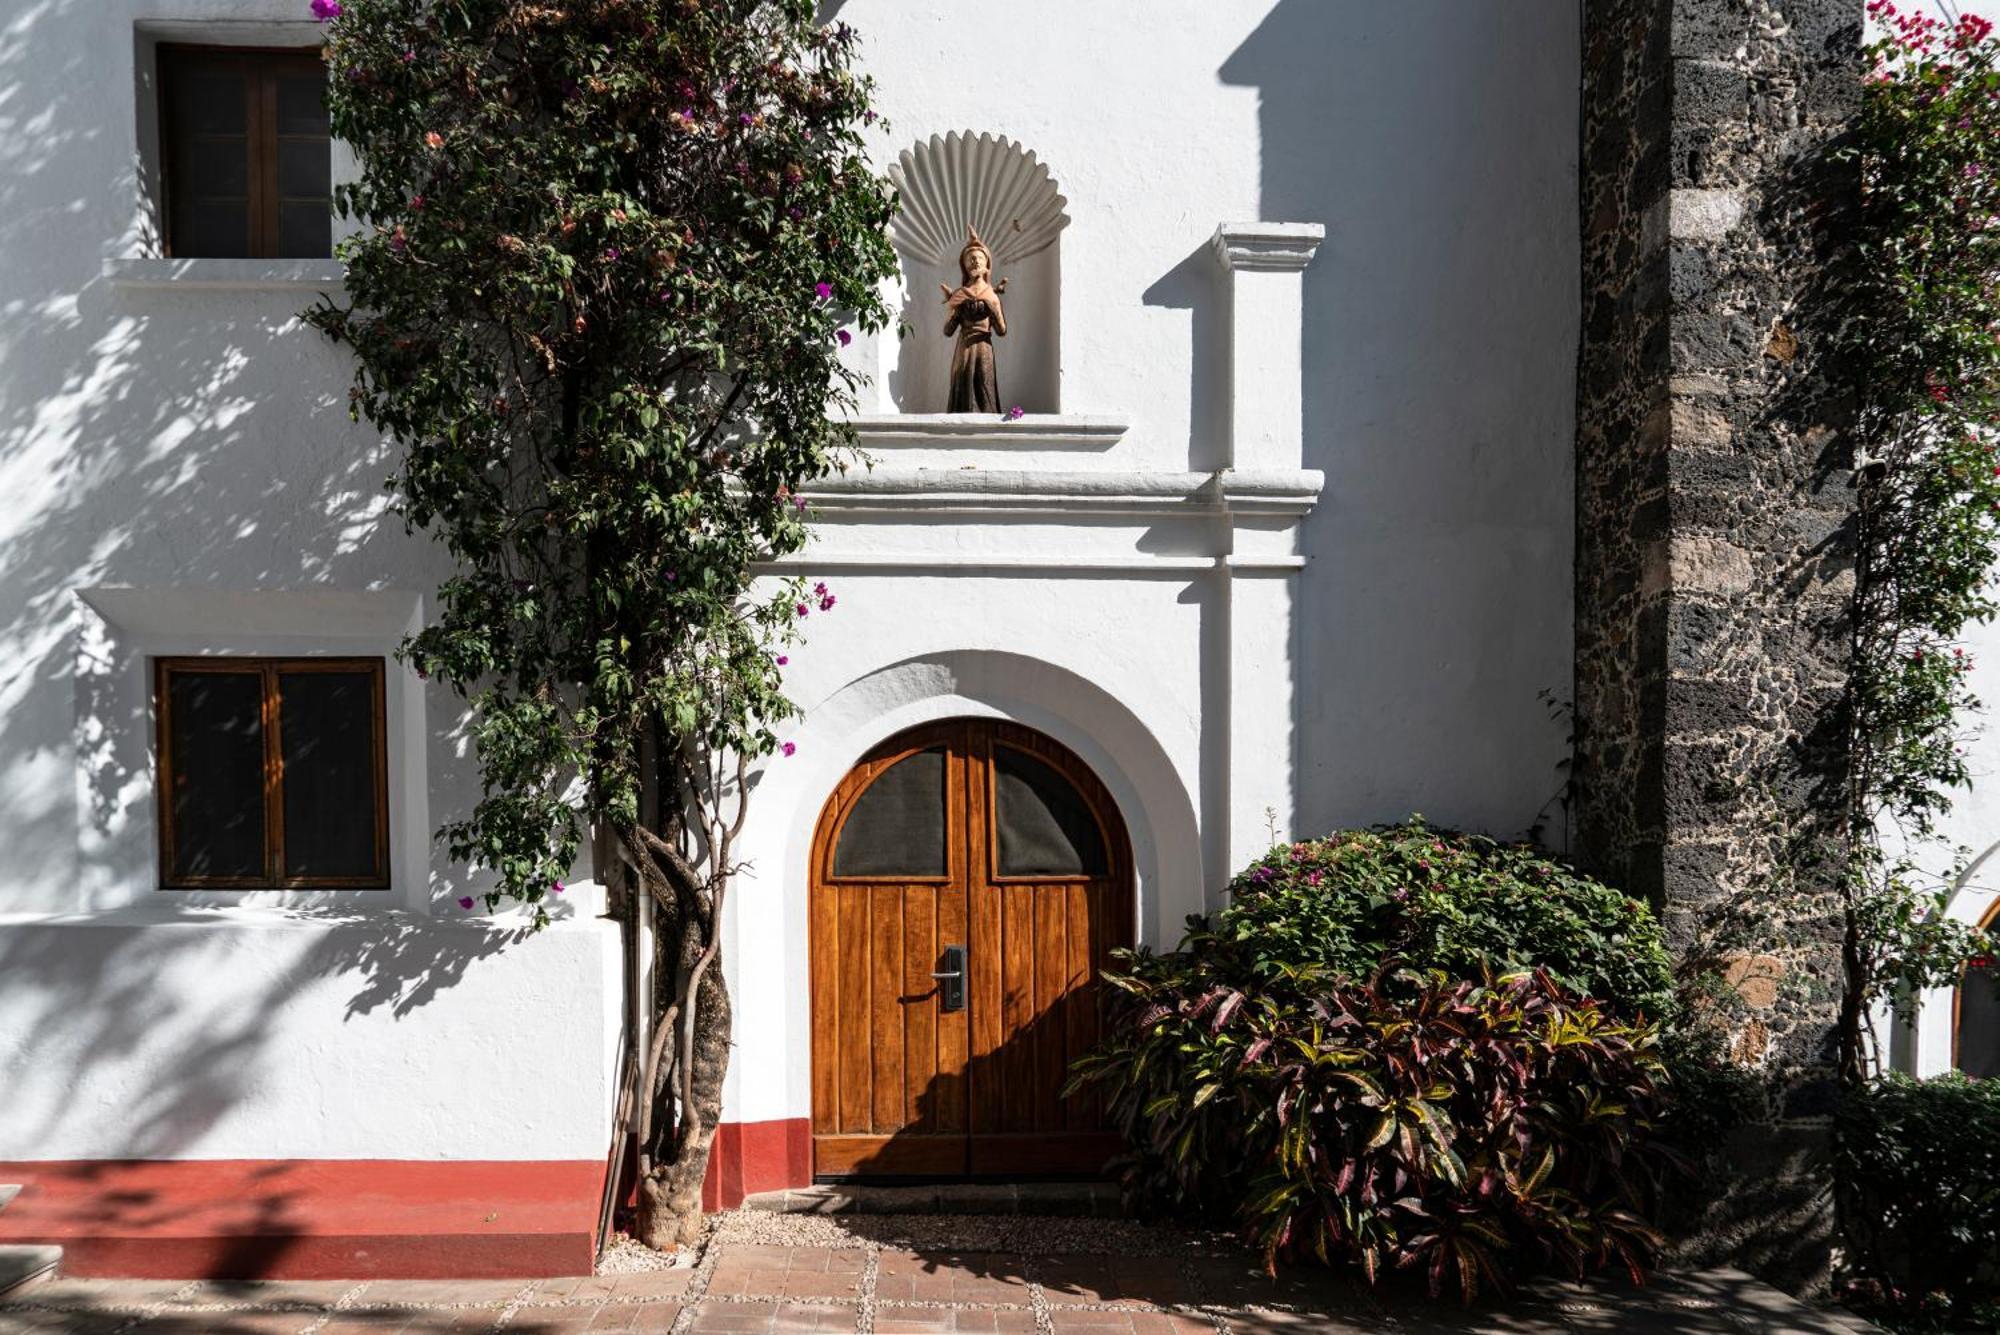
969, 881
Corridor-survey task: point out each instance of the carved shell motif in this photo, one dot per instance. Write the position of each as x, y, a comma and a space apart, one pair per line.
994, 184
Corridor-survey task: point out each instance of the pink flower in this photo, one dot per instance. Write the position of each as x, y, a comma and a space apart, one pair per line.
783, 659
824, 291
465, 902
789, 747
326, 10
416, 203
433, 139
1015, 413
803, 610
826, 602
556, 886
844, 337
409, 54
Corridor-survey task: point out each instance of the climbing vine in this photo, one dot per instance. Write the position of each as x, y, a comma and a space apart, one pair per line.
607, 253
1923, 335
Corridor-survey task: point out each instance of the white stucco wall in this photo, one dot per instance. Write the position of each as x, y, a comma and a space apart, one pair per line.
192, 443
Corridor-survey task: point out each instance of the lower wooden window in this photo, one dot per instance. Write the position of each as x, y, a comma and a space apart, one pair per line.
273, 773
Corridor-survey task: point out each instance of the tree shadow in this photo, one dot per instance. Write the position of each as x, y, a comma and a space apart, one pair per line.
161, 439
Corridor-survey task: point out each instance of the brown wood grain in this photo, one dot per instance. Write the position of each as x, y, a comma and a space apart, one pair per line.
911, 1089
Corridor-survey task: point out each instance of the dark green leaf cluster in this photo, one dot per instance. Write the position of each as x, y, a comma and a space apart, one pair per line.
606, 251
1443, 900
1921, 1162
1471, 1130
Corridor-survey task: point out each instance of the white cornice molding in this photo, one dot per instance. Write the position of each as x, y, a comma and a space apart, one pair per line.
1067, 491
1267, 245
1034, 431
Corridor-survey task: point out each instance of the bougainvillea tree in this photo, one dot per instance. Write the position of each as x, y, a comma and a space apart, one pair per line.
1923, 332
607, 253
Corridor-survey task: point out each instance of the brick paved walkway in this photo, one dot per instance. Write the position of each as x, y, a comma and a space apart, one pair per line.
746, 1287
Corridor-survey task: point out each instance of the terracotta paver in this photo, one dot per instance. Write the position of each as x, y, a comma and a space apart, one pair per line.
854, 1284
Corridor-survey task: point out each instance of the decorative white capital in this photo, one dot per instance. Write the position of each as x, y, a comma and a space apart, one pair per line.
1267, 245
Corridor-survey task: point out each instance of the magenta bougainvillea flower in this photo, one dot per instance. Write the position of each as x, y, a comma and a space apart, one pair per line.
783, 659
824, 291
465, 901
789, 747
326, 10
1015, 413
844, 337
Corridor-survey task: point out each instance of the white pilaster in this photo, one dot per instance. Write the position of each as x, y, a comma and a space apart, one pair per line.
1264, 263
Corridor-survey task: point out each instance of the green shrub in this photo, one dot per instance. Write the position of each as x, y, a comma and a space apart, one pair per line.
1918, 1165
1470, 1129
1442, 900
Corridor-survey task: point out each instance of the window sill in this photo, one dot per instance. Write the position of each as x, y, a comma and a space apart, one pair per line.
155, 274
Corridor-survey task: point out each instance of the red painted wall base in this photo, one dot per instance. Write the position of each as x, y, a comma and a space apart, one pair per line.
749, 1157
309, 1218
354, 1218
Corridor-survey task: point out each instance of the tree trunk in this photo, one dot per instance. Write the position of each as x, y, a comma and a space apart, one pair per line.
670, 1196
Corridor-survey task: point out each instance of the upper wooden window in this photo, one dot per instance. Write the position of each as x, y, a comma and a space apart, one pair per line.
246, 154
273, 773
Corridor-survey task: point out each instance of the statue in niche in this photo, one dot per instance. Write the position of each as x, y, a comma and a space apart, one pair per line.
977, 320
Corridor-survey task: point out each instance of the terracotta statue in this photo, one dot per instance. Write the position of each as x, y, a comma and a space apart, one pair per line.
977, 320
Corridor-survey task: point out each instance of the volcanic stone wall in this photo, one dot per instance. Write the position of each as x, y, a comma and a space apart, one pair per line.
1712, 566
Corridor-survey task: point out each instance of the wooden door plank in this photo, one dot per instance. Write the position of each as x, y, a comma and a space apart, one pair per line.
920, 999
823, 966
1051, 1042
1017, 1007
1079, 994
853, 1001
954, 1029
885, 990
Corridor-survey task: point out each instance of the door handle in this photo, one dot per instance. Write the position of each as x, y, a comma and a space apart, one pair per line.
950, 977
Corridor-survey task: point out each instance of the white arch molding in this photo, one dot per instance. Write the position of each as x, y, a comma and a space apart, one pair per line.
996, 185
767, 935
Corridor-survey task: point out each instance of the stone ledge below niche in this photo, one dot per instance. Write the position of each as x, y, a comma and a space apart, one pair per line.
982, 431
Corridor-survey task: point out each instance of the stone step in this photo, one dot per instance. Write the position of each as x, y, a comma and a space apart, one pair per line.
1097, 1200
25, 1264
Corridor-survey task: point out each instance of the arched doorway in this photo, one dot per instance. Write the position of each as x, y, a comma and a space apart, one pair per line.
969, 880
1975, 1032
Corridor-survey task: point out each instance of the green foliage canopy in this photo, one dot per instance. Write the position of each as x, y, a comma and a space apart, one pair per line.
607, 253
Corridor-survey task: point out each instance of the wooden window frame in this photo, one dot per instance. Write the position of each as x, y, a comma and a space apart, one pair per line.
170, 59
274, 770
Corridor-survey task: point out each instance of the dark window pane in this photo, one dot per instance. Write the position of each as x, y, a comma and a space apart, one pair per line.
210, 230
1045, 827
305, 231
215, 748
1979, 1021
897, 825
212, 168
326, 729
208, 102
302, 103
305, 169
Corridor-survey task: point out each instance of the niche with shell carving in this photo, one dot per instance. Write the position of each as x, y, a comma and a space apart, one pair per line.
994, 185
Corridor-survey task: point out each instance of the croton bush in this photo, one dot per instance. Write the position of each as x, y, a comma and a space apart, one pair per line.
1402, 1048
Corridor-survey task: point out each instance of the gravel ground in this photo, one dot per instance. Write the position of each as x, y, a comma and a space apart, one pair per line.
628, 1256
1048, 1235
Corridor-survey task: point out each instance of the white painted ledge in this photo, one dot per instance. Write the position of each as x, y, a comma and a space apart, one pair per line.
1067, 491
146, 273
984, 431
1267, 245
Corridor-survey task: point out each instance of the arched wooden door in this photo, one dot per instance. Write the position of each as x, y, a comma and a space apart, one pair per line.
984, 850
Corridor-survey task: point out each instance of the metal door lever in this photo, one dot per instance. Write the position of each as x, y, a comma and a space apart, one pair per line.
951, 979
